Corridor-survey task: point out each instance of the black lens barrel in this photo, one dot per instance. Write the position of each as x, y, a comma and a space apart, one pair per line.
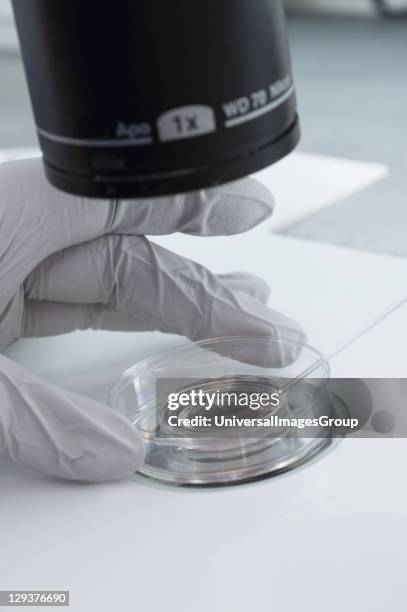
150, 98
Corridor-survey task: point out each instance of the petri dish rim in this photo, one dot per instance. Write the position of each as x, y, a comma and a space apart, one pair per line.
190, 346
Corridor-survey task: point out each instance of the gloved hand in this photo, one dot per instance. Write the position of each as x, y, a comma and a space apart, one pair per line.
70, 263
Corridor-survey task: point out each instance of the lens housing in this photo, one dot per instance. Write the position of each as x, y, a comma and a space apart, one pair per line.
151, 98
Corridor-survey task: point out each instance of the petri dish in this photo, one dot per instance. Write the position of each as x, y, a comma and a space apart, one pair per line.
255, 440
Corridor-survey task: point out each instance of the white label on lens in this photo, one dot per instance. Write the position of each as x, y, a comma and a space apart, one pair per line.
186, 122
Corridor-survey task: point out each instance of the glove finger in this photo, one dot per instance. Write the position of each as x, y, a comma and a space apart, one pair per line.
163, 290
222, 211
42, 220
43, 318
70, 276
62, 434
248, 283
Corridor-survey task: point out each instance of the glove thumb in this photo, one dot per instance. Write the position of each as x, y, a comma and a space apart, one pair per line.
62, 434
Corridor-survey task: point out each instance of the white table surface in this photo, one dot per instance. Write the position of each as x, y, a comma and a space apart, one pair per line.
329, 537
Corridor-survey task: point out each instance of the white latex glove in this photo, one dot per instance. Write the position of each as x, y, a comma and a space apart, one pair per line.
71, 263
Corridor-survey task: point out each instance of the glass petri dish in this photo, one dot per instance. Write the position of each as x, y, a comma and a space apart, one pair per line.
246, 440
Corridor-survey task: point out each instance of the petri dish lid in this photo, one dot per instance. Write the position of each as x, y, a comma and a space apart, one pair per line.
184, 451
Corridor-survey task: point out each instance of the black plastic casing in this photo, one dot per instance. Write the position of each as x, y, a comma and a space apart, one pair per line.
140, 98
